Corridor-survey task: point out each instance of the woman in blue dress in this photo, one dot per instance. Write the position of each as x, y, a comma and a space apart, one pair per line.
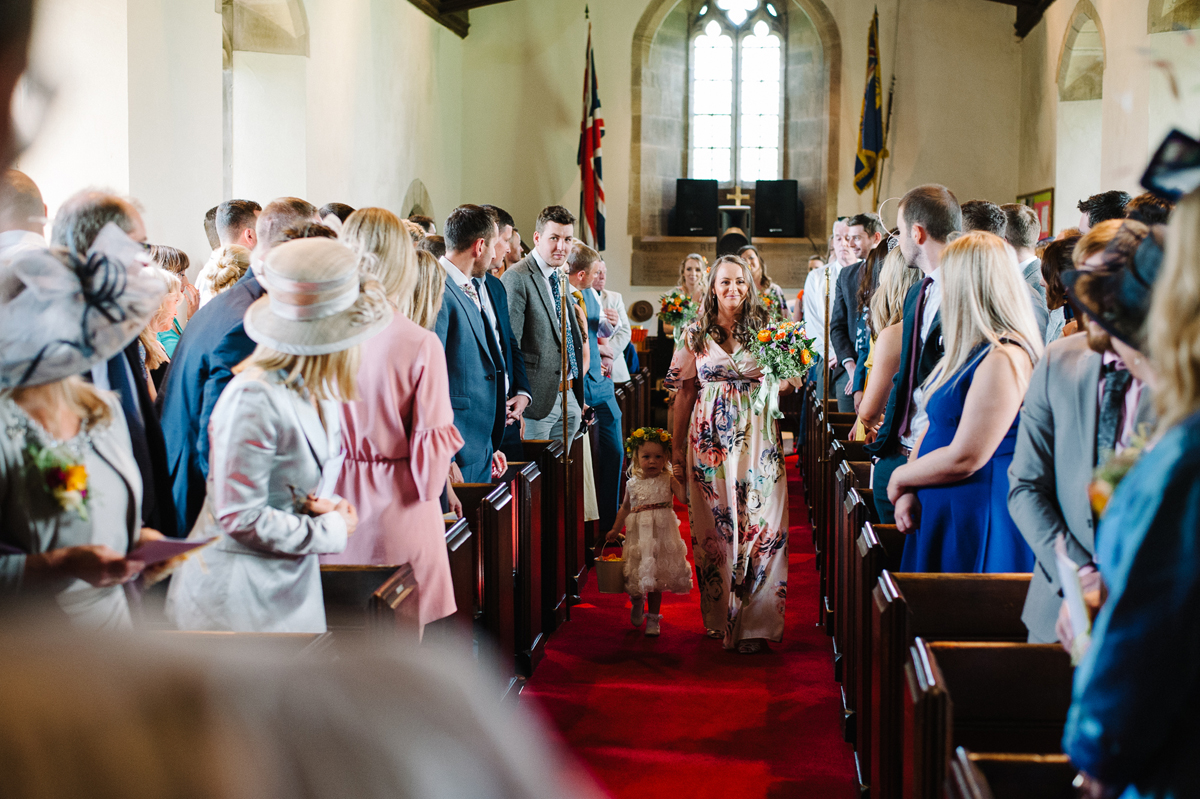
952, 495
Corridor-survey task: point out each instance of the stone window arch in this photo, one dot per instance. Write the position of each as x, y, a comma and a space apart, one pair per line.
1081, 61
1170, 15
264, 26
660, 89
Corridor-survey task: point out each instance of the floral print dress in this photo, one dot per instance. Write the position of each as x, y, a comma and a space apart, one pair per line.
737, 493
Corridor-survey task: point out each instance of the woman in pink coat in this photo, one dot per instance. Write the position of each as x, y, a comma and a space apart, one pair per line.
399, 436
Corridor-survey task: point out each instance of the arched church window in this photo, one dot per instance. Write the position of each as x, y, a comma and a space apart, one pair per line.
736, 115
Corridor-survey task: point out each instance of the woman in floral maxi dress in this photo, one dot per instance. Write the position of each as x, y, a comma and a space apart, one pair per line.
733, 466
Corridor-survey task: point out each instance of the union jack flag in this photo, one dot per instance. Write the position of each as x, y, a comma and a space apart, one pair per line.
591, 133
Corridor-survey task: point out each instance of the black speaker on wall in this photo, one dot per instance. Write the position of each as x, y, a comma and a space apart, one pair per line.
695, 208
778, 212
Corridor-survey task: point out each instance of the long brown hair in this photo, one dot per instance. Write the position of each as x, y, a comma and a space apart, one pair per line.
750, 318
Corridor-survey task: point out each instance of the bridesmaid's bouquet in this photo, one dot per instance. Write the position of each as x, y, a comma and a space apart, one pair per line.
676, 308
783, 352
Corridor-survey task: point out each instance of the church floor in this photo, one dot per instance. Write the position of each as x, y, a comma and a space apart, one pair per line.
678, 716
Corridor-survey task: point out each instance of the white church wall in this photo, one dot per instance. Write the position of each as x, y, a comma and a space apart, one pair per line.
384, 105
175, 118
80, 51
270, 126
1078, 157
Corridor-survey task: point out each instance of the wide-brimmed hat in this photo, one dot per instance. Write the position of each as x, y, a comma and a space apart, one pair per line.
61, 314
317, 300
1119, 299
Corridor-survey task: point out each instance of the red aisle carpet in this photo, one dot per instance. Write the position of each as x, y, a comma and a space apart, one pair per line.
678, 716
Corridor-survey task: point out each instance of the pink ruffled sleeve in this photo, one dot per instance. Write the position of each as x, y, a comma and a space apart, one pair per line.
434, 439
683, 363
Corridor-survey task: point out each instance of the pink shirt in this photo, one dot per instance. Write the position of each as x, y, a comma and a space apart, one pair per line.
1133, 395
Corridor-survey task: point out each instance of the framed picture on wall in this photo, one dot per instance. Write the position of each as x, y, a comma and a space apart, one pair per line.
1042, 202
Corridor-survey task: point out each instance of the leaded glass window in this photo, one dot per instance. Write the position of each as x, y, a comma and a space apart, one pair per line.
736, 92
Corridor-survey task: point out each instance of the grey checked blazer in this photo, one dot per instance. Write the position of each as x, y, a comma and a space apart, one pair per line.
1051, 469
537, 330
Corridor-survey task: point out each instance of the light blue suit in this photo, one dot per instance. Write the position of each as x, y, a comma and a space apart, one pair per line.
599, 393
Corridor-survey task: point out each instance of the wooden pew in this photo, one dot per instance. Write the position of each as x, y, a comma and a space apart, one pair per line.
488, 510
985, 696
1009, 776
936, 607
525, 480
878, 547
370, 599
548, 456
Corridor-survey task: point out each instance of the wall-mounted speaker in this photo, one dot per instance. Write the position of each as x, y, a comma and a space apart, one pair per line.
695, 208
778, 212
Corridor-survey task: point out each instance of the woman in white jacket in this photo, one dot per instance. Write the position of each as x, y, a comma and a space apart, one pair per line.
276, 449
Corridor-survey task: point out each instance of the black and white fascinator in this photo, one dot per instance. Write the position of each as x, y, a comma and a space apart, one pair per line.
61, 314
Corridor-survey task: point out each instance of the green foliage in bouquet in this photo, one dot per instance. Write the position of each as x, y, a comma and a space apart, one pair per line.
677, 308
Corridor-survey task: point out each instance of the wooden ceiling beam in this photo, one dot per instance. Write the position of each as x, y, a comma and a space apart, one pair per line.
1029, 13
454, 6
453, 13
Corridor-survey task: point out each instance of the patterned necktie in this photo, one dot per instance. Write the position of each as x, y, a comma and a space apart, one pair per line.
1108, 426
904, 400
554, 291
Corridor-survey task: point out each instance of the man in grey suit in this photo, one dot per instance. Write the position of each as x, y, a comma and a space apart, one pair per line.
1075, 409
534, 304
1022, 233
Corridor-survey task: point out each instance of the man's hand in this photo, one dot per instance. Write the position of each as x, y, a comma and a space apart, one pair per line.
515, 409
858, 395
499, 464
613, 315
850, 367
453, 502
605, 350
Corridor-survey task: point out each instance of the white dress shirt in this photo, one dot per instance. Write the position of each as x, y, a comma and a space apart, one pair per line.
814, 303
916, 408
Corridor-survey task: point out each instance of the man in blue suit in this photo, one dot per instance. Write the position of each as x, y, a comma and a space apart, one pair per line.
598, 391
928, 218
474, 358
517, 383
212, 344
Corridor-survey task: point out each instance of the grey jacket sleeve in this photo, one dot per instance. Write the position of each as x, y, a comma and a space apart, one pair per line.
1032, 497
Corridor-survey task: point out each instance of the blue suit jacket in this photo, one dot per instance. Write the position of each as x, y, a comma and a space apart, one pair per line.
888, 441
476, 381
596, 387
514, 360
212, 344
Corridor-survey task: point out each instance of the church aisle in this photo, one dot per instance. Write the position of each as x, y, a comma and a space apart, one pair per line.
679, 716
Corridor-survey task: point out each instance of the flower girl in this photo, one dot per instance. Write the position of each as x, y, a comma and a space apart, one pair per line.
654, 553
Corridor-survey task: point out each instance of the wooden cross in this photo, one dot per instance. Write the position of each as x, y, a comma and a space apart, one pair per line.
737, 196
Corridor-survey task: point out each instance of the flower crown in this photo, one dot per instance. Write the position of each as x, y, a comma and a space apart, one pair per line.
645, 434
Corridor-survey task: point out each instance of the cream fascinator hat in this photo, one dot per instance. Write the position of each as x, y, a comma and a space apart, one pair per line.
61, 314
317, 300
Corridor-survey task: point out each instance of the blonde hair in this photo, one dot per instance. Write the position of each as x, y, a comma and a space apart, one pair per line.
232, 261
1174, 324
384, 249
635, 463
425, 300
896, 277
156, 355
83, 398
702, 281
415, 232
984, 299
332, 376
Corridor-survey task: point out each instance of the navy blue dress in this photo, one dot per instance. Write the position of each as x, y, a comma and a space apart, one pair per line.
965, 526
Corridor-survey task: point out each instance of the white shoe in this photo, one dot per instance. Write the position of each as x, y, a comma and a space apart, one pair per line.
652, 623
638, 614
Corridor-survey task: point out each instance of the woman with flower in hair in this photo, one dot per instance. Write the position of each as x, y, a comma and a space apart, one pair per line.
732, 464
654, 553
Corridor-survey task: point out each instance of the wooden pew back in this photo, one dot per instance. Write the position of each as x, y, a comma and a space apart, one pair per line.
1009, 776
369, 598
488, 510
526, 482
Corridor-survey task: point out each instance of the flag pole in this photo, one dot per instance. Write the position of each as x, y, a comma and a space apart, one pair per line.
883, 153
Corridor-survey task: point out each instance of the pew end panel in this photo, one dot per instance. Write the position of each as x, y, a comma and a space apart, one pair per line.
1009, 776
370, 599
549, 457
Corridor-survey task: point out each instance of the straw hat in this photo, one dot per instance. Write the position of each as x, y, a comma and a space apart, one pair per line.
317, 301
61, 314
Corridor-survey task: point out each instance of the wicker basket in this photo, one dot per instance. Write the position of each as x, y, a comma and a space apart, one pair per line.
610, 574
